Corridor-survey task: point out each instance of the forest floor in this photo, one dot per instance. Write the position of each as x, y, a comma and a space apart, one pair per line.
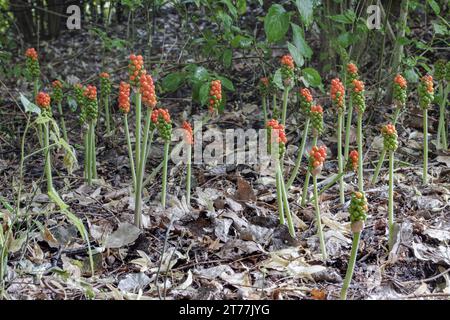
228, 244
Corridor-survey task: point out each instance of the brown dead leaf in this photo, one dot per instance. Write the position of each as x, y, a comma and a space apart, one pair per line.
318, 294
244, 191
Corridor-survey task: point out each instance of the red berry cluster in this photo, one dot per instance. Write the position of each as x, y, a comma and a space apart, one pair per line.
317, 109
317, 157
215, 95
104, 75
400, 81
358, 96
148, 90
124, 97
264, 85
31, 53
136, 69
189, 134
43, 100
160, 114
288, 62
287, 69
306, 101
279, 129
352, 68
353, 160
161, 120
338, 94
306, 94
90, 92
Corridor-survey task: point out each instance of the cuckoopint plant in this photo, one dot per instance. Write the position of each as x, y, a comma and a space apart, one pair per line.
287, 75
317, 157
360, 106
399, 95
426, 97
33, 69
338, 99
316, 115
189, 140
215, 97
390, 145
89, 115
440, 75
264, 90
277, 147
351, 75
57, 97
105, 91
306, 102
358, 215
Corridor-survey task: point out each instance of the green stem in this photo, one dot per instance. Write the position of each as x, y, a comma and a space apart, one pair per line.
287, 210
351, 265
323, 248
274, 106
391, 200
329, 185
300, 152
93, 152
425, 147
285, 103
340, 160
279, 196
188, 175
48, 165
137, 97
264, 105
107, 115
63, 123
360, 153
383, 152
306, 185
164, 177
442, 132
130, 151
88, 155
347, 128
35, 89
149, 145
140, 172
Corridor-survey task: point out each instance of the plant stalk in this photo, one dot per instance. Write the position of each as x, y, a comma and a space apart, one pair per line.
391, 200
130, 151
348, 127
300, 152
287, 210
351, 265
340, 160
323, 248
285, 103
164, 177
63, 123
107, 114
360, 152
93, 152
306, 185
425, 147
442, 132
279, 196
264, 105
188, 175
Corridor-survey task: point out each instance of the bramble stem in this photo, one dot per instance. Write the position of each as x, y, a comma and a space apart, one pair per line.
383, 152
63, 123
300, 152
130, 151
340, 160
107, 114
188, 175
164, 177
391, 200
306, 185
285, 103
425, 147
348, 127
264, 105
360, 153
351, 265
279, 196
323, 248
286, 204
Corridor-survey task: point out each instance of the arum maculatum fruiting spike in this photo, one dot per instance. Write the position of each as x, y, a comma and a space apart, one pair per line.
43, 100
440, 70
160, 119
426, 91
317, 157
105, 84
358, 211
215, 95
32, 63
358, 96
147, 90
352, 163
278, 135
264, 86
306, 101
352, 74
287, 69
390, 137
135, 69
124, 97
399, 91
338, 95
316, 115
57, 93
188, 133
90, 109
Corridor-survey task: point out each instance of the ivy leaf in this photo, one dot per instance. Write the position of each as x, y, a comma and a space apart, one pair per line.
296, 54
276, 23
28, 105
299, 41
173, 81
312, 76
305, 8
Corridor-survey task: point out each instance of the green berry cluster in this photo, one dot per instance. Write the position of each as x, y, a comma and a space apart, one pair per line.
426, 92
57, 94
440, 70
390, 140
399, 94
358, 207
90, 110
164, 129
105, 86
33, 68
317, 122
358, 98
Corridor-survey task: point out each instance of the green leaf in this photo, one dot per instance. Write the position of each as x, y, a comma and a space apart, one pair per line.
296, 54
345, 39
433, 4
231, 7
241, 42
198, 73
312, 76
72, 103
28, 105
227, 57
173, 81
241, 6
411, 76
439, 28
278, 79
276, 23
299, 41
346, 18
204, 93
305, 8
226, 83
